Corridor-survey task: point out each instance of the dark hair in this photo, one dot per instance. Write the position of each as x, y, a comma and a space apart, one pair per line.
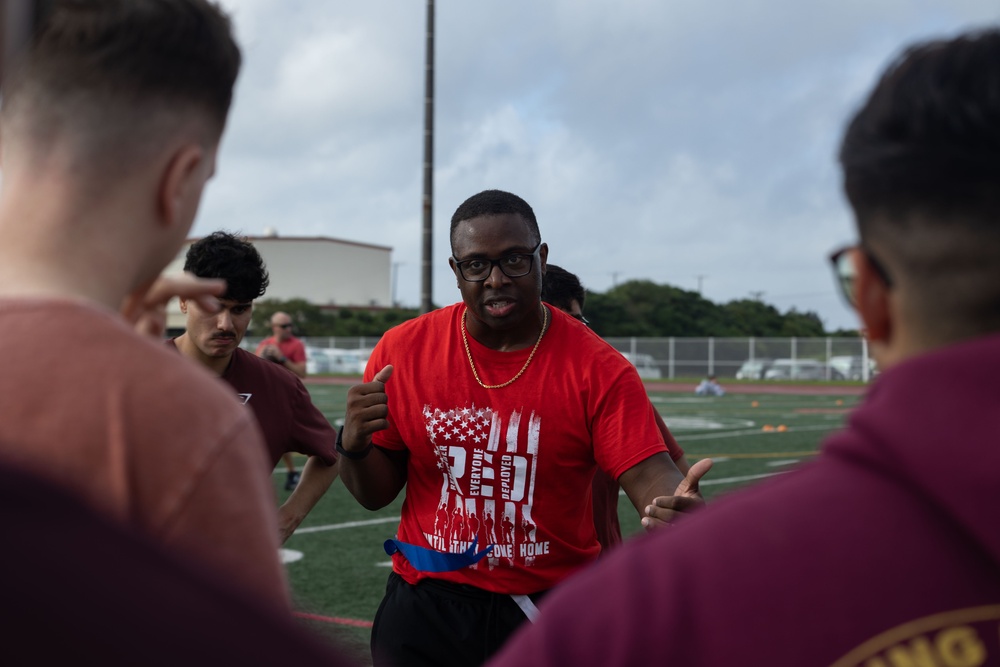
921, 163
560, 287
928, 136
101, 59
494, 202
233, 258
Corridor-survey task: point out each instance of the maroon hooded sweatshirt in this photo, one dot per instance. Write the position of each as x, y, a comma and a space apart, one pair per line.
884, 551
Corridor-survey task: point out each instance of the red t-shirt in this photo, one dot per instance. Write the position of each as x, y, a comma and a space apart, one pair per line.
293, 348
511, 466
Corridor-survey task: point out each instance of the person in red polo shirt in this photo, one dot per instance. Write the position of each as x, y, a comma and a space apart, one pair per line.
284, 349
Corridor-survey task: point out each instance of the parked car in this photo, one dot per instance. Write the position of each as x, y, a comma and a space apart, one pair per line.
753, 369
852, 367
645, 364
316, 360
800, 369
335, 360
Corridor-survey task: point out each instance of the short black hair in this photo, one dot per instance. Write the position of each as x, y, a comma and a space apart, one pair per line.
928, 136
233, 258
494, 202
921, 165
560, 287
122, 72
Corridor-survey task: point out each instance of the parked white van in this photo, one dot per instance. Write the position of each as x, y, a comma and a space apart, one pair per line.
645, 364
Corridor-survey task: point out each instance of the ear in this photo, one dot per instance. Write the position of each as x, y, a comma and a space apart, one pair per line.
184, 305
543, 256
181, 181
454, 269
872, 298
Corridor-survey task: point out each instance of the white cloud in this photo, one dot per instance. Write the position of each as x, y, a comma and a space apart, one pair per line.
660, 140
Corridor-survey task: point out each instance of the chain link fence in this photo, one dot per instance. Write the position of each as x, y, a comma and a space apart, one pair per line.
749, 358
669, 358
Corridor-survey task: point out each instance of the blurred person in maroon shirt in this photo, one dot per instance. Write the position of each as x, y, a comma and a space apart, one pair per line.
884, 549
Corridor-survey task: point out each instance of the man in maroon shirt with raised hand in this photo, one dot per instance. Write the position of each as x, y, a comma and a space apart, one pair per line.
885, 549
289, 420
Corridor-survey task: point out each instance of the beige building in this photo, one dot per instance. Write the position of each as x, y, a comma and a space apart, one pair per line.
323, 271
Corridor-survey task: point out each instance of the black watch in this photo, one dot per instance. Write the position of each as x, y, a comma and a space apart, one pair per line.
354, 456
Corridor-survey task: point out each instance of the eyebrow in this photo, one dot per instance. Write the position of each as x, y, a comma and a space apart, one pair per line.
516, 250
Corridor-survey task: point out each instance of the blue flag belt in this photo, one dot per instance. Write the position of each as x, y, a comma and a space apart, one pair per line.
429, 560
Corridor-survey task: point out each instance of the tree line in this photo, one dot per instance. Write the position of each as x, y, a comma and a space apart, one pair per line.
638, 308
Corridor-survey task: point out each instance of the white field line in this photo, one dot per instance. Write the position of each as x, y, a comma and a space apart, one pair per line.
736, 434
348, 524
395, 519
704, 482
728, 480
733, 480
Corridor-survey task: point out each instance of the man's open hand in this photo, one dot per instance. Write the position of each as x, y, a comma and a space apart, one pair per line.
686, 498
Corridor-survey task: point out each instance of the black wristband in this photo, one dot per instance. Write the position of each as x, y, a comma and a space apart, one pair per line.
354, 456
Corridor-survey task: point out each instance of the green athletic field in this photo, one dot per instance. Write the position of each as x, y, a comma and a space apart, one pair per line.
340, 576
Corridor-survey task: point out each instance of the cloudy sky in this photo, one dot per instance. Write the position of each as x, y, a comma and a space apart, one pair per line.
684, 142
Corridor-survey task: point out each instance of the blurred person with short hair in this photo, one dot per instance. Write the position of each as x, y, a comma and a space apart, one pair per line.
885, 548
111, 122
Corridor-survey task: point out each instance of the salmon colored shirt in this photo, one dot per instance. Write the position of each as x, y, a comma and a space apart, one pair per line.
148, 439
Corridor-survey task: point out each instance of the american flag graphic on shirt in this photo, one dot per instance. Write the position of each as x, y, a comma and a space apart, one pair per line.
487, 465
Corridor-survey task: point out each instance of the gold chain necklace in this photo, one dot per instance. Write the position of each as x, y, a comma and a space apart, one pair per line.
468, 352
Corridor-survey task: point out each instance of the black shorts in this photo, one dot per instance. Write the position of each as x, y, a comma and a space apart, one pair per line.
441, 624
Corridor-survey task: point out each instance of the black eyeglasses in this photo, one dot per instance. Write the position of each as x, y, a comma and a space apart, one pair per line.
844, 273
284, 326
514, 265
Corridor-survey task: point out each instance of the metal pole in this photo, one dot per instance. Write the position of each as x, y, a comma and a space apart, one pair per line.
671, 367
865, 370
395, 279
427, 288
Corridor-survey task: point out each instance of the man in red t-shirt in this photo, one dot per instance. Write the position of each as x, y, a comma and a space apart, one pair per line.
563, 290
286, 350
279, 400
490, 412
